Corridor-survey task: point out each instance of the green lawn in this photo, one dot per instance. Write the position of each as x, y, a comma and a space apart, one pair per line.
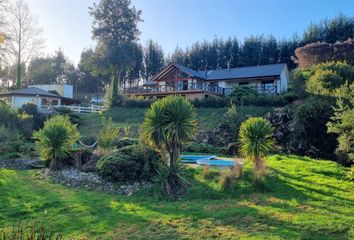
208, 118
305, 199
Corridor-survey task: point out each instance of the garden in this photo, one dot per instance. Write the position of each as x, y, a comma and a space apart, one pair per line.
121, 175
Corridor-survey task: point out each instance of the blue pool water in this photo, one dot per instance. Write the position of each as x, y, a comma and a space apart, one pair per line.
195, 158
217, 162
208, 160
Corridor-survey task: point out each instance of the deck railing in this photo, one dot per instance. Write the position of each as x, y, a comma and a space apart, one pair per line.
179, 88
207, 87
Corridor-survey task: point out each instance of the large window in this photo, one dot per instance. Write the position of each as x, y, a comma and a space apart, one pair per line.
20, 101
268, 86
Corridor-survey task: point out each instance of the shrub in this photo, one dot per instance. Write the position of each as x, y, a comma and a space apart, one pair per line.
227, 180
211, 102
74, 117
297, 82
310, 131
107, 134
195, 147
55, 141
130, 163
137, 102
8, 116
265, 101
342, 124
209, 174
240, 93
123, 142
350, 174
10, 142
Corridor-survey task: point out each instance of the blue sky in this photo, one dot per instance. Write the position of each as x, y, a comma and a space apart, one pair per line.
67, 24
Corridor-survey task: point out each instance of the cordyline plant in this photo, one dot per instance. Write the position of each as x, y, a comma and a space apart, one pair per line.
55, 140
168, 124
255, 141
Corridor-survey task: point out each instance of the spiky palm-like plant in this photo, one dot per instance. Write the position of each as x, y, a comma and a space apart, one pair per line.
55, 140
255, 138
168, 124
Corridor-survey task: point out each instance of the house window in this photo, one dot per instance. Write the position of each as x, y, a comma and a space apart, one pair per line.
268, 86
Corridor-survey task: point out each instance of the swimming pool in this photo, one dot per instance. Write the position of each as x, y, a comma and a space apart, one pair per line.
195, 158
208, 160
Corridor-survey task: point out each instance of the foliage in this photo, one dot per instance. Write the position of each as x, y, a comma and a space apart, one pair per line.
10, 141
310, 131
196, 147
297, 82
255, 139
123, 142
227, 179
350, 174
342, 124
168, 124
36, 230
241, 92
37, 117
130, 163
153, 59
108, 133
8, 115
326, 78
209, 174
115, 28
55, 140
210, 102
23, 37
74, 117
136, 102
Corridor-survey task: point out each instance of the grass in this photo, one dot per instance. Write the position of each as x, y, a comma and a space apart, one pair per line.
208, 118
304, 199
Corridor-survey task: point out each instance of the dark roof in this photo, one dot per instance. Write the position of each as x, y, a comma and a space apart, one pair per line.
232, 73
31, 91
191, 72
246, 72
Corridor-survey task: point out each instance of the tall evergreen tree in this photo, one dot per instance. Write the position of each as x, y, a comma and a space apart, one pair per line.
115, 28
153, 59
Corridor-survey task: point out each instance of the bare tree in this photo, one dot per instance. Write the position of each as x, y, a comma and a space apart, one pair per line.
23, 37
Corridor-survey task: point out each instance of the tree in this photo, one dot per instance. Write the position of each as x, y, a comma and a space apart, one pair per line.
252, 51
23, 37
115, 28
153, 59
255, 143
342, 124
168, 124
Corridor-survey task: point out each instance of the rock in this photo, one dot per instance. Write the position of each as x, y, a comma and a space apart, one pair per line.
21, 164
90, 181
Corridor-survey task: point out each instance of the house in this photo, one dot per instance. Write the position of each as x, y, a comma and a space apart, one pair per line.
181, 80
44, 100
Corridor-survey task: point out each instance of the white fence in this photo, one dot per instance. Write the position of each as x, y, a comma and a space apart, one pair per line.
78, 109
90, 109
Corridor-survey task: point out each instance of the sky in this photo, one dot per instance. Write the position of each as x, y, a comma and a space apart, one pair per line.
67, 25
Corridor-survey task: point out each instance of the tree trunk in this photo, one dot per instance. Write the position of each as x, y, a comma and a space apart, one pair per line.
114, 88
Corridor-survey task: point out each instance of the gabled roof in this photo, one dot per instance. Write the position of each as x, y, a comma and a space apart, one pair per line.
232, 73
246, 72
31, 91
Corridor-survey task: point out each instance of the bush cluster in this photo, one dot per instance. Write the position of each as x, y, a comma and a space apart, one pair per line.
195, 147
211, 102
130, 163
